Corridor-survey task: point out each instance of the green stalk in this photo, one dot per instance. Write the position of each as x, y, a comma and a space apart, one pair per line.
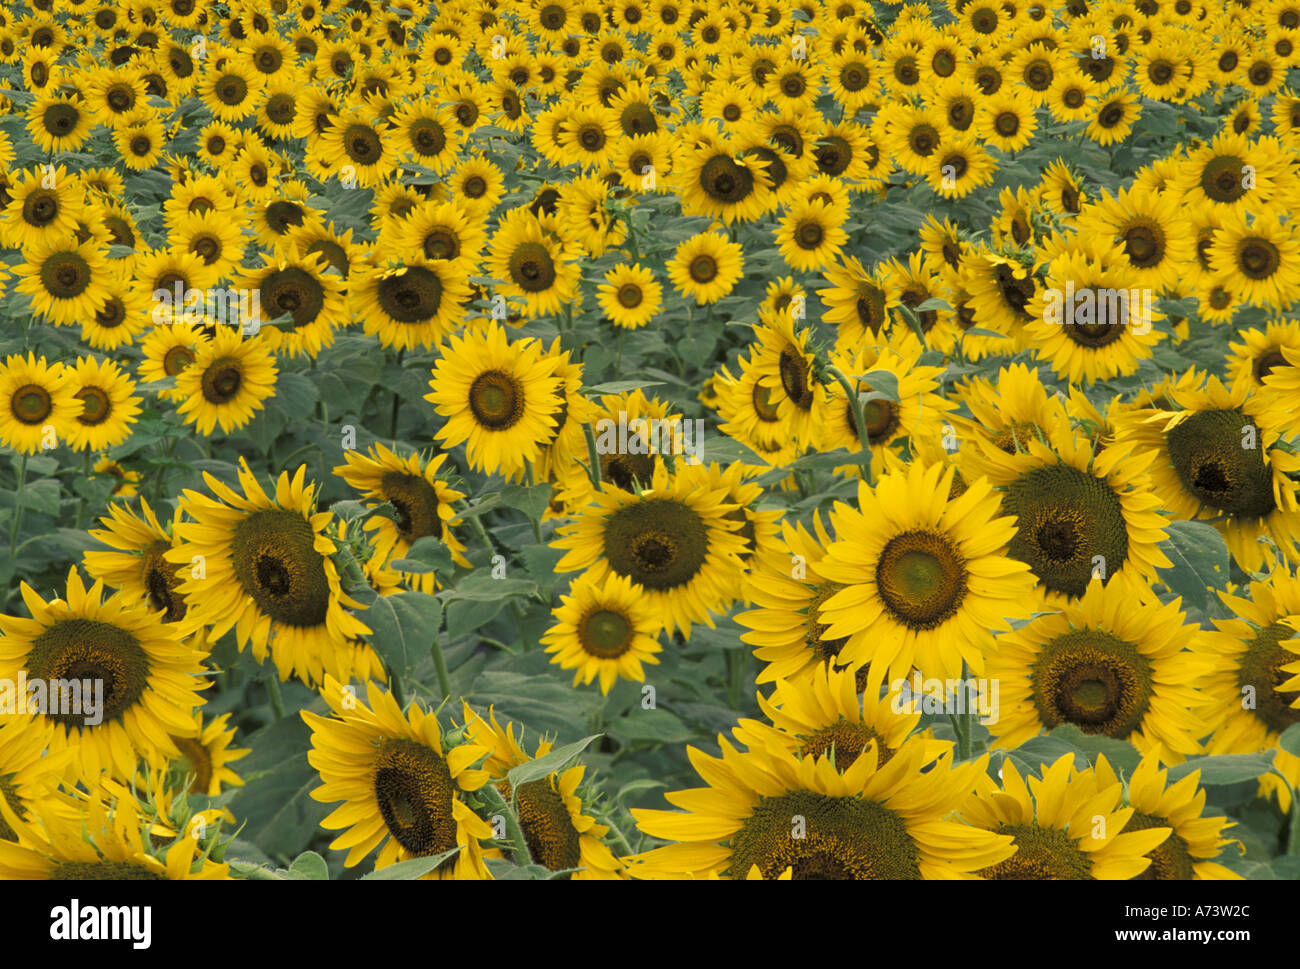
593, 471
859, 421
440, 664
16, 524
273, 691
518, 844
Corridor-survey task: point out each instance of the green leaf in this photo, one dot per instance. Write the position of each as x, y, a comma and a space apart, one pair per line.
484, 588
530, 499
1222, 769
309, 866
41, 497
651, 726
427, 554
620, 386
541, 767
883, 384
1200, 560
296, 395
403, 627
1290, 740
1120, 754
411, 870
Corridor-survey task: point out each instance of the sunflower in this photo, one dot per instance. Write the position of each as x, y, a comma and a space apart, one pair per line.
422, 501
400, 782
66, 280
358, 148
39, 403
41, 208
231, 91
441, 230
1211, 175
926, 578
1088, 322
231, 379
1251, 698
1259, 261
787, 588
674, 539
499, 398
1079, 514
206, 756
716, 182
29, 776
630, 296
477, 184
262, 566
1006, 122
810, 235
958, 167
559, 836
93, 841
1066, 825
706, 266
532, 265
313, 299
168, 350
1112, 116
137, 567
59, 122
108, 409
1216, 458
1151, 232
869, 822
1193, 841
151, 676
855, 301
825, 715
140, 143
1262, 359
786, 368
127, 482
1114, 663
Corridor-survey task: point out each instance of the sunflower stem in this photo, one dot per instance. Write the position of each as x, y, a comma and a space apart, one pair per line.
515, 840
859, 421
17, 523
440, 665
736, 666
395, 685
81, 502
397, 400
273, 691
593, 468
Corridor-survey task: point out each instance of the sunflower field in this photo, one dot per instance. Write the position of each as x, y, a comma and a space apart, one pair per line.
649, 439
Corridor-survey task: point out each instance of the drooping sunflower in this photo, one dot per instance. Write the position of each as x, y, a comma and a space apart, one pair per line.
1252, 696
781, 356
674, 539
1185, 855
1067, 825
1112, 663
91, 840
29, 775
1217, 458
926, 578
604, 630
706, 266
231, 378
1080, 514
558, 834
856, 302
38, 403
787, 589
137, 567
206, 756
825, 715
423, 502
870, 822
400, 783
150, 675
262, 566
108, 407
500, 398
